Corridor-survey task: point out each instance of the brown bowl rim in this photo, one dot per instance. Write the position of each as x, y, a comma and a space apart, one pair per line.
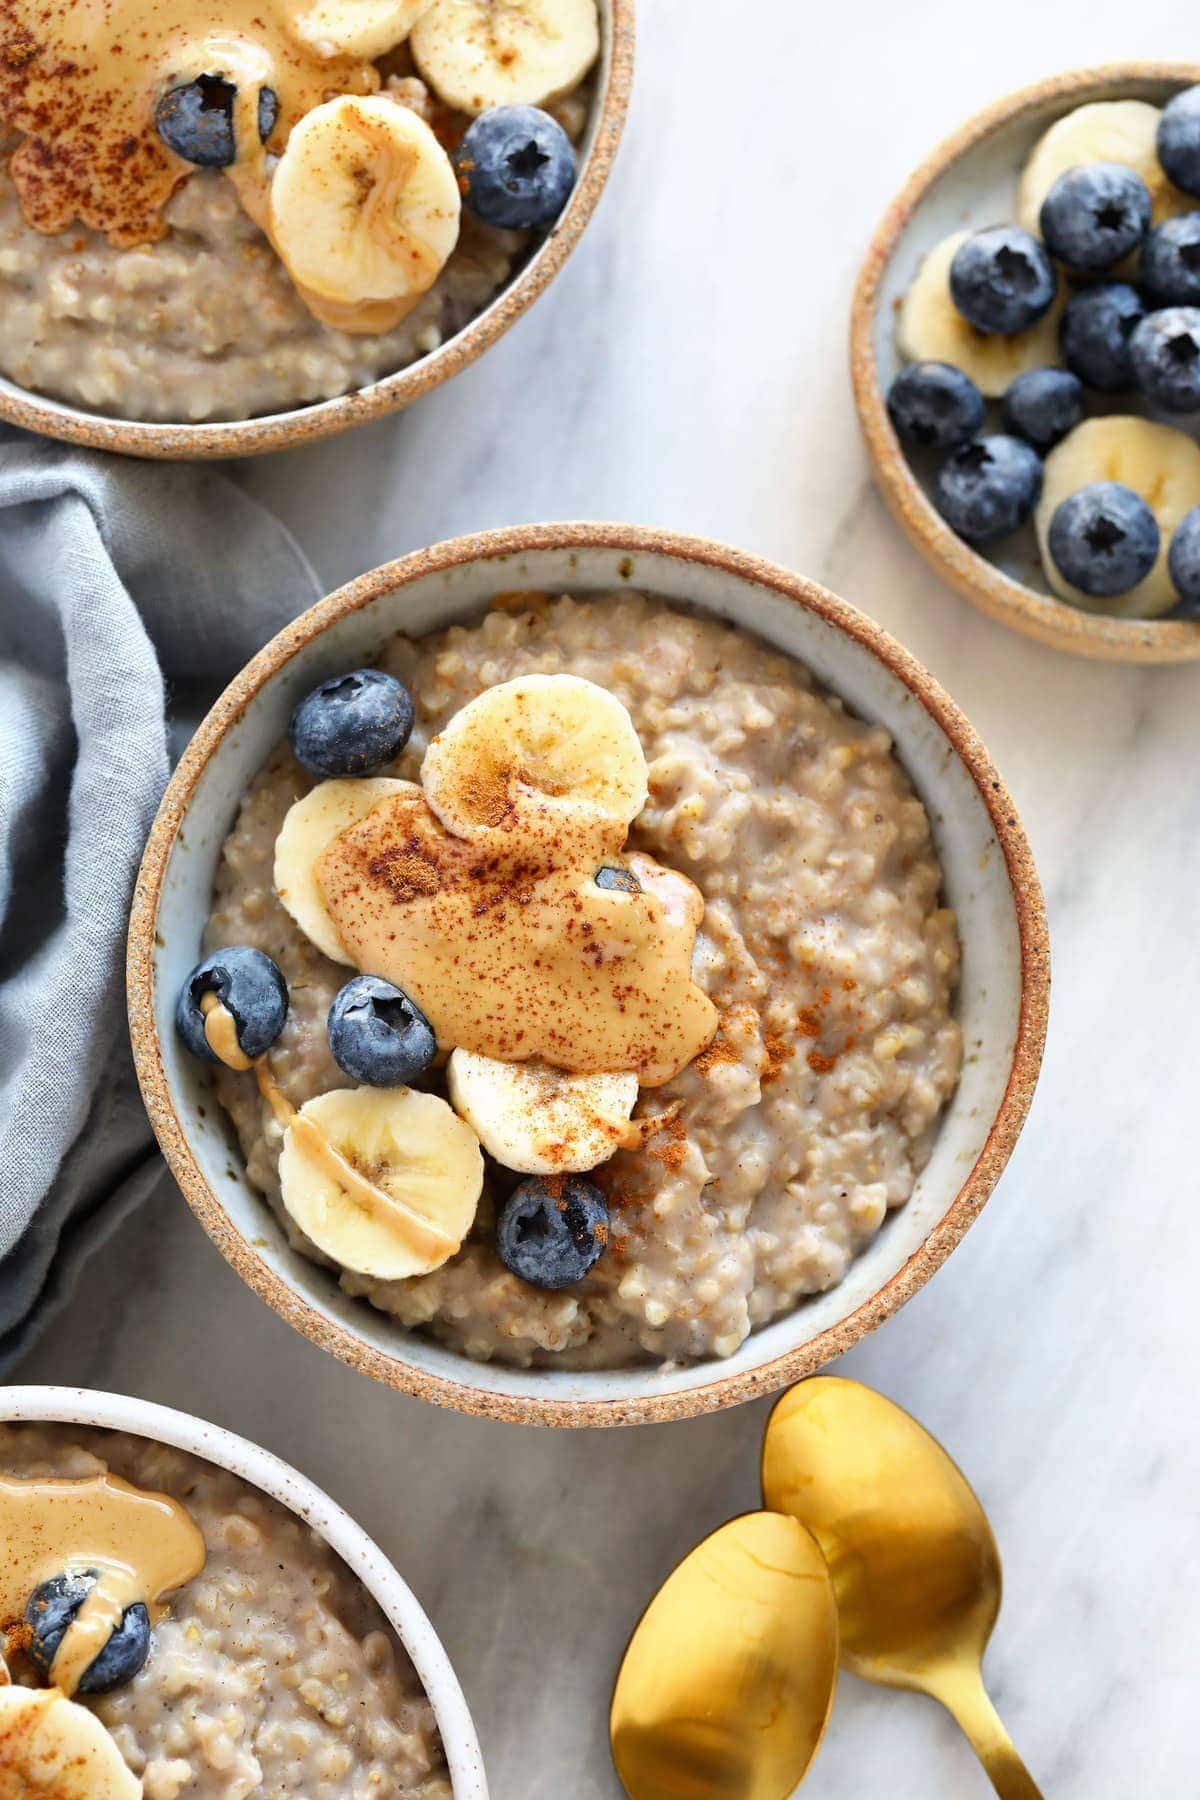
721, 1391
309, 424
1050, 621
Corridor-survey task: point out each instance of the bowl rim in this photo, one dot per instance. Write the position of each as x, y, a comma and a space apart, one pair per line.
175, 440
721, 1391
301, 1496
1050, 621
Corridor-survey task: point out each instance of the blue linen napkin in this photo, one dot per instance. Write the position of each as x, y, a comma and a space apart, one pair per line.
130, 593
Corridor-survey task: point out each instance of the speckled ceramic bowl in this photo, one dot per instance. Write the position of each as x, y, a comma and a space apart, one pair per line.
119, 1412
989, 876
971, 180
325, 418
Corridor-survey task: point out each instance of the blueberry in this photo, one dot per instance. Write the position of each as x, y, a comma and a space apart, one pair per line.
553, 1229
49, 1613
1170, 267
1042, 405
1179, 140
352, 724
516, 166
1104, 539
196, 120
1002, 280
1166, 358
249, 985
378, 1035
1095, 214
934, 405
989, 487
620, 881
1183, 559
1097, 324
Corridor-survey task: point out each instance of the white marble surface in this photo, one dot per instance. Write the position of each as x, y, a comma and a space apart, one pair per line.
688, 369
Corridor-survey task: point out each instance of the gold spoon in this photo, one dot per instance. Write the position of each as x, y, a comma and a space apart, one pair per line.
913, 1560
727, 1683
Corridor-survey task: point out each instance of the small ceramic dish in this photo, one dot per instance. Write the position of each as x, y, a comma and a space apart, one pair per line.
120, 1412
390, 393
989, 875
971, 180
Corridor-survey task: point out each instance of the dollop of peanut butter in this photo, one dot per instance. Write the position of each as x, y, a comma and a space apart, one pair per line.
82, 79
510, 947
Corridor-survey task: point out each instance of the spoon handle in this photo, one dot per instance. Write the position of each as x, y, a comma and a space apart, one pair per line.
962, 1693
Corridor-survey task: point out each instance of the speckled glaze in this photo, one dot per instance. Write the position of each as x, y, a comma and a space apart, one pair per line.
991, 882
987, 151
118, 1412
308, 424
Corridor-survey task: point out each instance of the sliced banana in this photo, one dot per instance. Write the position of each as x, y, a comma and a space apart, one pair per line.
419, 1175
360, 28
364, 211
55, 1749
556, 743
1120, 131
931, 329
484, 53
540, 1120
1158, 462
309, 825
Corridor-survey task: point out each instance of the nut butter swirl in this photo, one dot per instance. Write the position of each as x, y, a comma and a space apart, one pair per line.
81, 79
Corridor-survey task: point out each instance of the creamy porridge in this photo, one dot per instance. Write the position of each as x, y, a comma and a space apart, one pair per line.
181, 278
825, 955
273, 1673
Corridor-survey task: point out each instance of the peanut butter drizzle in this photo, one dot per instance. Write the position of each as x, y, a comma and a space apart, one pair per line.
82, 79
142, 1547
509, 946
425, 1238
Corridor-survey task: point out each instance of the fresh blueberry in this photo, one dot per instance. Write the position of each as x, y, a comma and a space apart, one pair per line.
934, 405
620, 881
1095, 214
51, 1610
987, 488
196, 120
1104, 539
1097, 324
249, 985
1171, 261
378, 1035
516, 166
1002, 280
1166, 358
1183, 559
352, 724
1042, 405
1179, 140
552, 1230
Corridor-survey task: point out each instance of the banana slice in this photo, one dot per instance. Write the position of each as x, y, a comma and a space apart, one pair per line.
1156, 461
1120, 131
483, 53
364, 211
554, 742
931, 329
417, 1178
309, 826
364, 29
57, 1750
540, 1120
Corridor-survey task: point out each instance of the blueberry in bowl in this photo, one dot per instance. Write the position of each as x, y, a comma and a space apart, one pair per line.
1183, 561
988, 488
1165, 350
1097, 328
1095, 214
52, 1609
934, 406
248, 986
352, 724
378, 1035
1002, 279
1170, 262
196, 120
1178, 142
1104, 539
553, 1230
516, 168
1042, 405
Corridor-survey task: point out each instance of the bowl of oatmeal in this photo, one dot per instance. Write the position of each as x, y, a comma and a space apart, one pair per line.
237, 228
687, 927
185, 1614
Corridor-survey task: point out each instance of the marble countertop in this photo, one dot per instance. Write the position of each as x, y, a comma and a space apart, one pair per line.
688, 369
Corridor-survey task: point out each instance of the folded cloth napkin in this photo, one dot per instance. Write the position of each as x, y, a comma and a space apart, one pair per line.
130, 593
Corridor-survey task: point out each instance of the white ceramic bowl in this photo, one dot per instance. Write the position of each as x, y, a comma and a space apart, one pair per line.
989, 877
119, 1412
